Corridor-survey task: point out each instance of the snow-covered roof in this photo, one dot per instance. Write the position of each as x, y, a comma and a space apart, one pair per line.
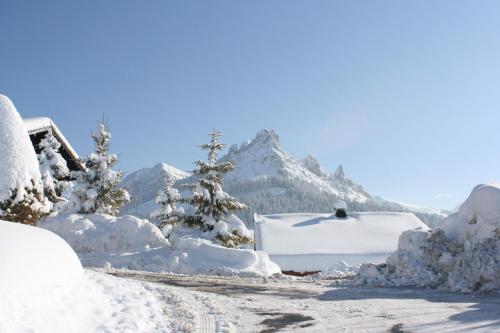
360, 233
37, 125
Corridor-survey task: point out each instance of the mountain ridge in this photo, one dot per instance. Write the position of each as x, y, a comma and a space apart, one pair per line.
269, 181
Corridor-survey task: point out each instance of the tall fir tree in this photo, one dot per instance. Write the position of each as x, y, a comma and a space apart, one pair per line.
168, 214
53, 169
96, 189
211, 203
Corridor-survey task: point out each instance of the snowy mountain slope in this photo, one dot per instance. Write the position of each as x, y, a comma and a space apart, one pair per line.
144, 184
270, 181
420, 209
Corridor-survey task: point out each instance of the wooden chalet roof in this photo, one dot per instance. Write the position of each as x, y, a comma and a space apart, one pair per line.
37, 129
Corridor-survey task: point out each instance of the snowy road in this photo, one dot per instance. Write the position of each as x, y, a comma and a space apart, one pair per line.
227, 304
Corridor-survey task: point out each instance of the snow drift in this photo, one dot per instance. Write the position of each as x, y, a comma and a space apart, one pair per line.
38, 269
461, 255
312, 242
133, 243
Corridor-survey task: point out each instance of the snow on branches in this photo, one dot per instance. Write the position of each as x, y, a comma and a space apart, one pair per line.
53, 168
96, 189
212, 205
168, 214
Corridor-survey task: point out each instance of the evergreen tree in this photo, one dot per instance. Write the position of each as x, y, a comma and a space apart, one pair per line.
211, 203
96, 189
168, 214
53, 168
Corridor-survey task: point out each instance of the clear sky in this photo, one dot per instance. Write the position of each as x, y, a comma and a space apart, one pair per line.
405, 94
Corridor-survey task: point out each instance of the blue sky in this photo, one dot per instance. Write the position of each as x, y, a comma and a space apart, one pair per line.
406, 95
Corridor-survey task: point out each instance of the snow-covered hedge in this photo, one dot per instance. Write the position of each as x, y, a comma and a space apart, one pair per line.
38, 269
133, 243
463, 254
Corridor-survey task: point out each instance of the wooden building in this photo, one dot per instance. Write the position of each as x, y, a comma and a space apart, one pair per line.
39, 127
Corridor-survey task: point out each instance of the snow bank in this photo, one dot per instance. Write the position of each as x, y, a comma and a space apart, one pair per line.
314, 242
100, 233
132, 243
38, 269
19, 167
463, 254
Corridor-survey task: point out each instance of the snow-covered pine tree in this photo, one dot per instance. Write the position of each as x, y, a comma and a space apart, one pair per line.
96, 189
168, 214
211, 203
53, 168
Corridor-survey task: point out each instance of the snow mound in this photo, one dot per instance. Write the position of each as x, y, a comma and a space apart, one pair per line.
462, 255
101, 233
19, 167
313, 242
38, 269
132, 243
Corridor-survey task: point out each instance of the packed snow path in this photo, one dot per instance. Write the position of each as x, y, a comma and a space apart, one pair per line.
256, 305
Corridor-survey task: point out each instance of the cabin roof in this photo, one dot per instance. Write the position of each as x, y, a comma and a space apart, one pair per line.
38, 127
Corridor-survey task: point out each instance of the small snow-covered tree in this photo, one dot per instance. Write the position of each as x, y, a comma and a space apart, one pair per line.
21, 193
53, 168
96, 189
168, 214
211, 203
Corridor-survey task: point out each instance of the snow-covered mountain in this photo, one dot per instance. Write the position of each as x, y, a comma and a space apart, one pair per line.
270, 181
144, 184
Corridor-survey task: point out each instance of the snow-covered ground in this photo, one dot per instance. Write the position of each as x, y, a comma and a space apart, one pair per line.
44, 289
315, 242
256, 305
129, 242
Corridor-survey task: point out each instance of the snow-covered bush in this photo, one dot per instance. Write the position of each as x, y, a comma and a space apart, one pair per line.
214, 207
53, 169
21, 193
168, 214
463, 254
96, 189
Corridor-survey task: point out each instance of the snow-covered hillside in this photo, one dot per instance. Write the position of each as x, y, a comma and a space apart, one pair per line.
270, 181
315, 242
144, 184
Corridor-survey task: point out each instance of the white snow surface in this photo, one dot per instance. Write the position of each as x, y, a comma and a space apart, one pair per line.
38, 269
317, 241
19, 165
132, 243
461, 255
